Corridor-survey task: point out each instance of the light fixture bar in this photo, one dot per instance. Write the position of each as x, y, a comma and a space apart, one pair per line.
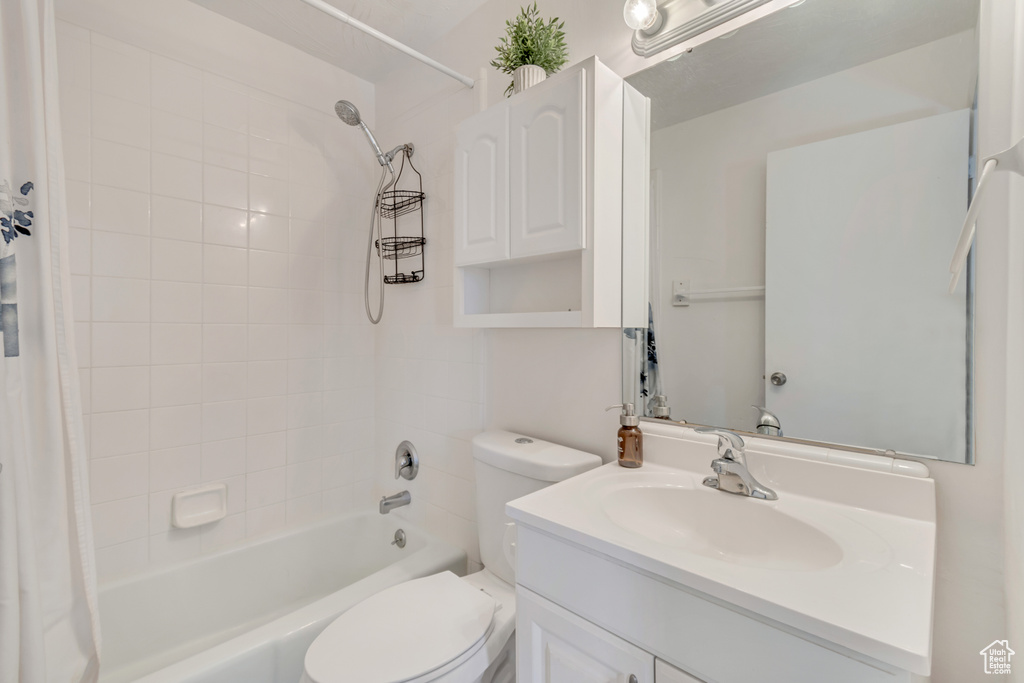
684, 19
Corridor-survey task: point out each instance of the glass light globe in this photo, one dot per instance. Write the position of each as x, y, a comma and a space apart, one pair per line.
640, 15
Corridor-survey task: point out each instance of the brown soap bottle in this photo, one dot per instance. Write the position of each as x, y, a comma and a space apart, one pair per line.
631, 439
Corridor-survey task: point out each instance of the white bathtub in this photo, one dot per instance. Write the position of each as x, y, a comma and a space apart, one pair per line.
248, 614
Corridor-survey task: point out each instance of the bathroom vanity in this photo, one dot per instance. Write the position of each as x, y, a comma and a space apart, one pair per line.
648, 575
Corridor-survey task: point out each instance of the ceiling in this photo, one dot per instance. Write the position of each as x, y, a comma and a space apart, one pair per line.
792, 46
417, 23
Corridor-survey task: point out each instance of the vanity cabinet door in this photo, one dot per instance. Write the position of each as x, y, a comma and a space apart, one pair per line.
481, 188
546, 167
666, 673
554, 645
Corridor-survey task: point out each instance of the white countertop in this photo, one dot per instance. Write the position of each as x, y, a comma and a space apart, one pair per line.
874, 598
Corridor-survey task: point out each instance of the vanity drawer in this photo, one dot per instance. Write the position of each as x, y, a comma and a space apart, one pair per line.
713, 641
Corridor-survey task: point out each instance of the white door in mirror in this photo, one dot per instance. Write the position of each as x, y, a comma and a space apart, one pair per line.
868, 219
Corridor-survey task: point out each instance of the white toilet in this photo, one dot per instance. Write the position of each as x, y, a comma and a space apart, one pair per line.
442, 628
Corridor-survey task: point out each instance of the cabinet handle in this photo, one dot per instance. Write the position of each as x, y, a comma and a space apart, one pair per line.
632, 678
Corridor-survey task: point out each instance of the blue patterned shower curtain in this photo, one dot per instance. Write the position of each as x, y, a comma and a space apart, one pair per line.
650, 374
648, 382
49, 631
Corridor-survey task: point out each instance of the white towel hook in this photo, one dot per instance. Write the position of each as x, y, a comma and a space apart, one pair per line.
1011, 159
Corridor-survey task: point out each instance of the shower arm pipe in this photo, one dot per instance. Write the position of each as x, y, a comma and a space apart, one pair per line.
401, 47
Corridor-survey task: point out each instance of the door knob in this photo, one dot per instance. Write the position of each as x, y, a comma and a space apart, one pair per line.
778, 379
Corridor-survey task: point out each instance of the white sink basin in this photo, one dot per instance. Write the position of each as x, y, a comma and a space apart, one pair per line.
722, 526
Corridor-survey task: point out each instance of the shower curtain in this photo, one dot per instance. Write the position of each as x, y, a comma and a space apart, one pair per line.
647, 382
48, 626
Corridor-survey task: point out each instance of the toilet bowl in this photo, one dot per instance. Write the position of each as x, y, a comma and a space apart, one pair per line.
442, 628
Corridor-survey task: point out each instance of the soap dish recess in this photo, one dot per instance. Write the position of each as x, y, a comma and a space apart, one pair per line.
199, 506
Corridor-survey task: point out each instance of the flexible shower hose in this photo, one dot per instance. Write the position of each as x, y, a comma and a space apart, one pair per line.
375, 225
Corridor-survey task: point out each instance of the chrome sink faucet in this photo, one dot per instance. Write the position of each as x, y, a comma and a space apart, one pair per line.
731, 467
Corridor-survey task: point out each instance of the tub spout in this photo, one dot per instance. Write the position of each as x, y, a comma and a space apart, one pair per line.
388, 503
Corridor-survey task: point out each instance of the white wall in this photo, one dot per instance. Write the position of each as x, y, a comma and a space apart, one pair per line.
217, 265
1008, 96
438, 385
711, 173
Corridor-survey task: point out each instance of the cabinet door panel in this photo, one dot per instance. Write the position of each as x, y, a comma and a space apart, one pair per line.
556, 646
481, 188
666, 673
546, 168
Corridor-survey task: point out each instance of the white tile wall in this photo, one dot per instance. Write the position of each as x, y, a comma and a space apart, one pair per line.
205, 263
430, 376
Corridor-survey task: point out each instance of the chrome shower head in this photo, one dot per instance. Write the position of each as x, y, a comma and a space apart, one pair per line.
347, 112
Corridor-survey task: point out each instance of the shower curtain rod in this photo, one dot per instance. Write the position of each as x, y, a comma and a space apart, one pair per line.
402, 47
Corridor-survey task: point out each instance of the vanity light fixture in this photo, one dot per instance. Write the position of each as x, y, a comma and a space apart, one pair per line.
659, 28
643, 16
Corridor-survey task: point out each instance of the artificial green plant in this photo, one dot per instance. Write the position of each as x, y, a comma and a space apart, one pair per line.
529, 39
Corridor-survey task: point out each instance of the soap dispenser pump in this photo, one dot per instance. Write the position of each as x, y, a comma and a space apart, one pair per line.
631, 439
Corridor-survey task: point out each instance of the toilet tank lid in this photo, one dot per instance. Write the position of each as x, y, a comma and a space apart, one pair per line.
531, 457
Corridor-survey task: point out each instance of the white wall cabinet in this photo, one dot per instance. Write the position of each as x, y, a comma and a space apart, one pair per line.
539, 204
554, 645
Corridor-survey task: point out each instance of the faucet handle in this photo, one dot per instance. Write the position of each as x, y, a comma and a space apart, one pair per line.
730, 444
407, 462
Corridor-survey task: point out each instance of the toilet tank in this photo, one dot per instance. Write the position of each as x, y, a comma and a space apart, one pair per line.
509, 466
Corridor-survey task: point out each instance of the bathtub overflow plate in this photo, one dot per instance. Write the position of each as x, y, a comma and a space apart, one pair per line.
399, 539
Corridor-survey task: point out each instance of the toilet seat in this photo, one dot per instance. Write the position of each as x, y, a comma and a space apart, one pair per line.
403, 633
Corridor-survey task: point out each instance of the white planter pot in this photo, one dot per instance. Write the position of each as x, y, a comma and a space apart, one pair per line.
526, 76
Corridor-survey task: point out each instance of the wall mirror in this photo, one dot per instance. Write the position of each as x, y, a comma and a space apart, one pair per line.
809, 177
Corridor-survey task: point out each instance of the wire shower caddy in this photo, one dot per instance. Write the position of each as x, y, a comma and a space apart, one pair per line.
394, 204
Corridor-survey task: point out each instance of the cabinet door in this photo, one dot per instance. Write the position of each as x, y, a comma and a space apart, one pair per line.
666, 673
546, 168
554, 645
481, 188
